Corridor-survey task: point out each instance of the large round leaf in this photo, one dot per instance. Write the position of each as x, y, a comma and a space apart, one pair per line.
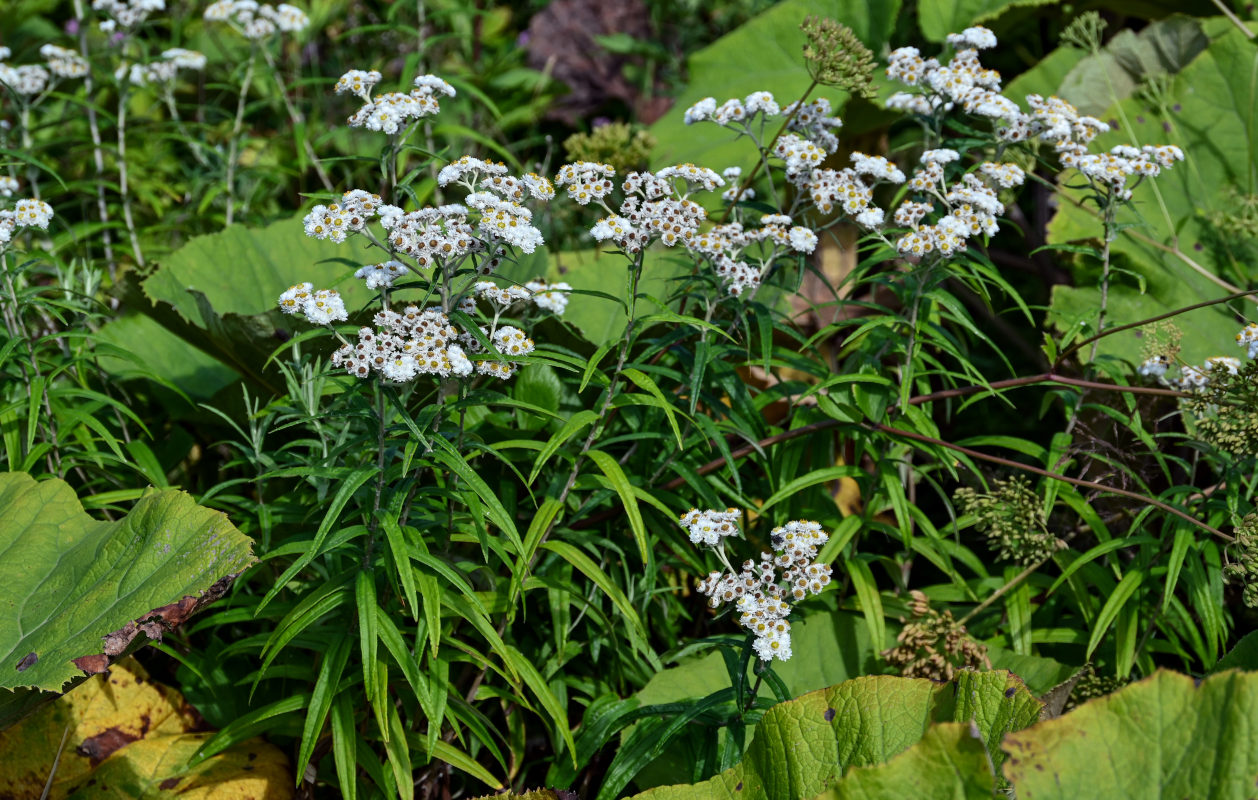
804, 746
81, 589
1161, 737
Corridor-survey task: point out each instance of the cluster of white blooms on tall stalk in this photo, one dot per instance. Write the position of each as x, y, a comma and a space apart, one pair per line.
27, 212
763, 593
1192, 377
452, 250
262, 24
952, 197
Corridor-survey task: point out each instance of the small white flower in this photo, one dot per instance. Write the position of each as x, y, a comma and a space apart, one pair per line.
802, 239
32, 213
702, 110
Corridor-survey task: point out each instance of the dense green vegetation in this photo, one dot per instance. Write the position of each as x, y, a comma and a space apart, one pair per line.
654, 397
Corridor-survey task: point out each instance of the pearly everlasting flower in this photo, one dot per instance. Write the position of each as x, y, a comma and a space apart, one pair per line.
802, 239
7, 186
877, 168
294, 298
733, 193
382, 275
586, 180
730, 111
761, 102
32, 213
871, 218
1006, 176
710, 527
942, 155
763, 593
1155, 366
701, 176
457, 170
431, 84
702, 110
127, 13
28, 79
503, 297
1226, 364
185, 59
551, 297
62, 62
390, 112
1192, 377
511, 341
539, 188
978, 37
1248, 338
358, 82
325, 307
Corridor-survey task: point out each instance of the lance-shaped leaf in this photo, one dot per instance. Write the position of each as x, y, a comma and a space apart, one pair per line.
77, 591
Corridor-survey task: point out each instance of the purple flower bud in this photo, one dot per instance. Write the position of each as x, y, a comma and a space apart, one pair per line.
72, 27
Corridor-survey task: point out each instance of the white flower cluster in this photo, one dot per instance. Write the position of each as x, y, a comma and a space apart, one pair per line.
27, 80
382, 275
390, 112
586, 180
358, 82
8, 186
160, 72
127, 13
727, 248
763, 596
970, 205
404, 346
965, 83
710, 527
1248, 338
27, 213
552, 297
1192, 377
255, 20
322, 307
339, 220
64, 63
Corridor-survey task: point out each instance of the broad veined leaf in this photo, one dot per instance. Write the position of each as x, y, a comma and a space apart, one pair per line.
1163, 736
803, 746
79, 590
126, 737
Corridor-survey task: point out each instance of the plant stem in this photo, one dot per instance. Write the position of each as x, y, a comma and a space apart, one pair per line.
98, 154
996, 595
374, 524
299, 121
1100, 487
234, 146
123, 187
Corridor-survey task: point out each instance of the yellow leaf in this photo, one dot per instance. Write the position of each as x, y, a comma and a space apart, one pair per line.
129, 737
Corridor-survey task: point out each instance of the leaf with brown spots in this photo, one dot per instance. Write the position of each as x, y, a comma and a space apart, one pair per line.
81, 590
129, 737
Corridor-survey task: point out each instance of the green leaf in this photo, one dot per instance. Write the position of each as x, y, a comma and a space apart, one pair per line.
264, 262
608, 466
1243, 656
721, 70
1161, 737
591, 570
939, 18
1121, 594
867, 593
1176, 246
569, 429
803, 746
949, 763
74, 585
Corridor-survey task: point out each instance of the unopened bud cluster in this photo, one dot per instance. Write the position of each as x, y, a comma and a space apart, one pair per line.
1244, 570
932, 645
1012, 518
762, 592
